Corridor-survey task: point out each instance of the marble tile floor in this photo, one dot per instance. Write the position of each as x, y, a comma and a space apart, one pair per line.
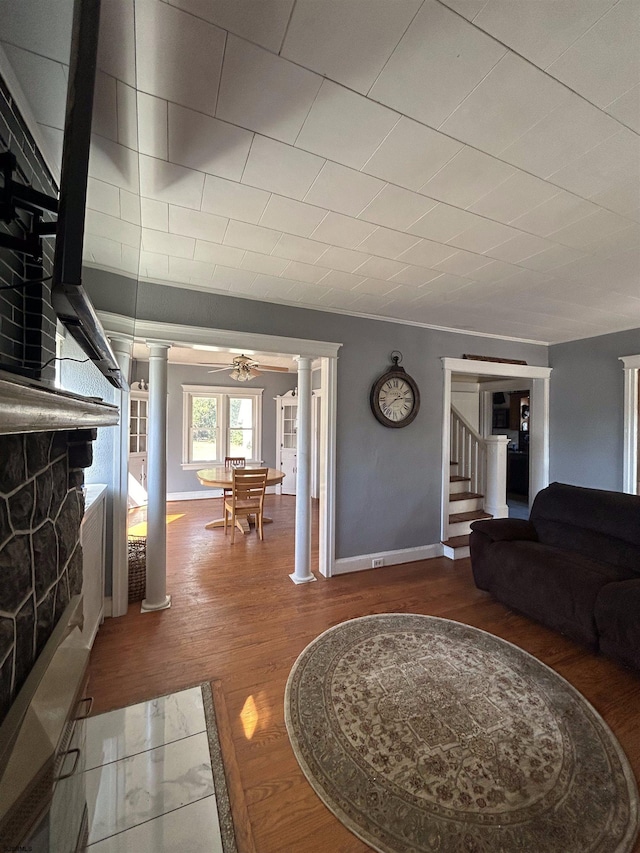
148, 778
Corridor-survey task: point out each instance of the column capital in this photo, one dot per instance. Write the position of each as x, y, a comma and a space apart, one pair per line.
158, 347
304, 361
121, 344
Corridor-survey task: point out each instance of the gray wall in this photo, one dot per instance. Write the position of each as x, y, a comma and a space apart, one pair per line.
587, 400
388, 481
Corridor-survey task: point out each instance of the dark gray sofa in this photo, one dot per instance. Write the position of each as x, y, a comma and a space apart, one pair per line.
574, 566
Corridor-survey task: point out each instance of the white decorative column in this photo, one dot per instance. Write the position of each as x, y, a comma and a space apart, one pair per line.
538, 438
157, 598
302, 573
122, 349
495, 499
630, 469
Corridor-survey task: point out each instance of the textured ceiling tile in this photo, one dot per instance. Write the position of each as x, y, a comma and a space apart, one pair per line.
397, 208
281, 168
264, 23
252, 237
560, 137
543, 30
178, 57
344, 126
605, 62
387, 243
343, 190
438, 45
426, 253
206, 144
292, 217
514, 197
411, 154
167, 182
194, 223
496, 114
342, 230
299, 249
236, 201
467, 177
263, 92
345, 42
342, 259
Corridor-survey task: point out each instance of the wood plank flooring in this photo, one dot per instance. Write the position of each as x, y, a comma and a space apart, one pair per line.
236, 617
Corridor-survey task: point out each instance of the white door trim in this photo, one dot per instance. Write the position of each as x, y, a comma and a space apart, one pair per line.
631, 365
223, 339
538, 378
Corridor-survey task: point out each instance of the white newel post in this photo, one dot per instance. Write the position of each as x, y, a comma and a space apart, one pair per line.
495, 500
302, 573
157, 598
122, 349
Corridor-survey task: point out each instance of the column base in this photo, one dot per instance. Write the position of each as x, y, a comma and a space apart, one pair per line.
296, 579
501, 511
149, 608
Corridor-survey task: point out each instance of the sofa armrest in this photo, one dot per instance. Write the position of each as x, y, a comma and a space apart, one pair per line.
506, 529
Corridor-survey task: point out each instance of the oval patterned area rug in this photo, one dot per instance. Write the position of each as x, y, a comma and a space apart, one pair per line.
423, 734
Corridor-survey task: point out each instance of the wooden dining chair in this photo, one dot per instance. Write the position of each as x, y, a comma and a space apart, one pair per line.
232, 462
246, 498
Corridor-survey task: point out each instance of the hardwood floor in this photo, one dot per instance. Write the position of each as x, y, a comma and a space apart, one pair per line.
236, 617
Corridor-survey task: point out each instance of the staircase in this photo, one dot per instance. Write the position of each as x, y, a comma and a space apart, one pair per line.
467, 481
465, 506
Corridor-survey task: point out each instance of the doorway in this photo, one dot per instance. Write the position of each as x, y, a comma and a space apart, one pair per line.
536, 379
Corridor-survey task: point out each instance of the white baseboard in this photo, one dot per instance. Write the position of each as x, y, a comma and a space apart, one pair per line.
390, 558
108, 607
204, 495
194, 496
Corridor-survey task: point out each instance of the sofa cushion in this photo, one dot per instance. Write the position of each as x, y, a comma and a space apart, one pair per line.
617, 614
557, 587
600, 525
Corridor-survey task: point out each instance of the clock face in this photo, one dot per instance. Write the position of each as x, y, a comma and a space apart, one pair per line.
395, 398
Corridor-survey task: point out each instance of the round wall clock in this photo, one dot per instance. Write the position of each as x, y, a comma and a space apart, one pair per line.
394, 398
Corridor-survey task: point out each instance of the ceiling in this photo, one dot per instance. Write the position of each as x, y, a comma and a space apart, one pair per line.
467, 164
215, 356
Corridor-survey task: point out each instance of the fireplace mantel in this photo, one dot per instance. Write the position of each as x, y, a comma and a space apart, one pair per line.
27, 406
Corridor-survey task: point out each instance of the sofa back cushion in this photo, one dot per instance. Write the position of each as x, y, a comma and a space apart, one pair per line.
600, 525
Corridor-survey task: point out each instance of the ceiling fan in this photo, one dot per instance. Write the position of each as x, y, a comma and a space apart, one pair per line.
244, 368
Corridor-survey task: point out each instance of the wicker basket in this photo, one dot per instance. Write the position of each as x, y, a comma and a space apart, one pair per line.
137, 547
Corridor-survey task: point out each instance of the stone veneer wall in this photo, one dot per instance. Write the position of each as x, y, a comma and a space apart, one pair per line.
41, 508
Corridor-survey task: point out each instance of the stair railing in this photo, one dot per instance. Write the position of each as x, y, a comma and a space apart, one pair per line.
483, 461
468, 449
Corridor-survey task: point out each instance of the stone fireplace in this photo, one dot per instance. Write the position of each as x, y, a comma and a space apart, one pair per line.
45, 444
41, 507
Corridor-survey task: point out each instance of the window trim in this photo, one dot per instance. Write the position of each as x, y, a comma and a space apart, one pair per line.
223, 393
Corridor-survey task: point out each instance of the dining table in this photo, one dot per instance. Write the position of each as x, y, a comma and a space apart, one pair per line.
219, 477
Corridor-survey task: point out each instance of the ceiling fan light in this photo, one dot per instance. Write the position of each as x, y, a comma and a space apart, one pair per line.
242, 373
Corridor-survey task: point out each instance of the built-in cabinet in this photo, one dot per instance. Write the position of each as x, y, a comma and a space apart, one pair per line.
287, 441
92, 539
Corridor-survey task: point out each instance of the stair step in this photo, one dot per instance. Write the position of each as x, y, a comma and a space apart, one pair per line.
457, 541
474, 515
456, 478
464, 496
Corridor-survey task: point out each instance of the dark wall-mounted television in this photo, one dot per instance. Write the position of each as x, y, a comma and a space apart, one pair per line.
70, 301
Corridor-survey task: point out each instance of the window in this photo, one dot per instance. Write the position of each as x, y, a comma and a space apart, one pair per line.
220, 422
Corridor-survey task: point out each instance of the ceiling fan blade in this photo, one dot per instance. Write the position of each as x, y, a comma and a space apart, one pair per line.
218, 369
273, 368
